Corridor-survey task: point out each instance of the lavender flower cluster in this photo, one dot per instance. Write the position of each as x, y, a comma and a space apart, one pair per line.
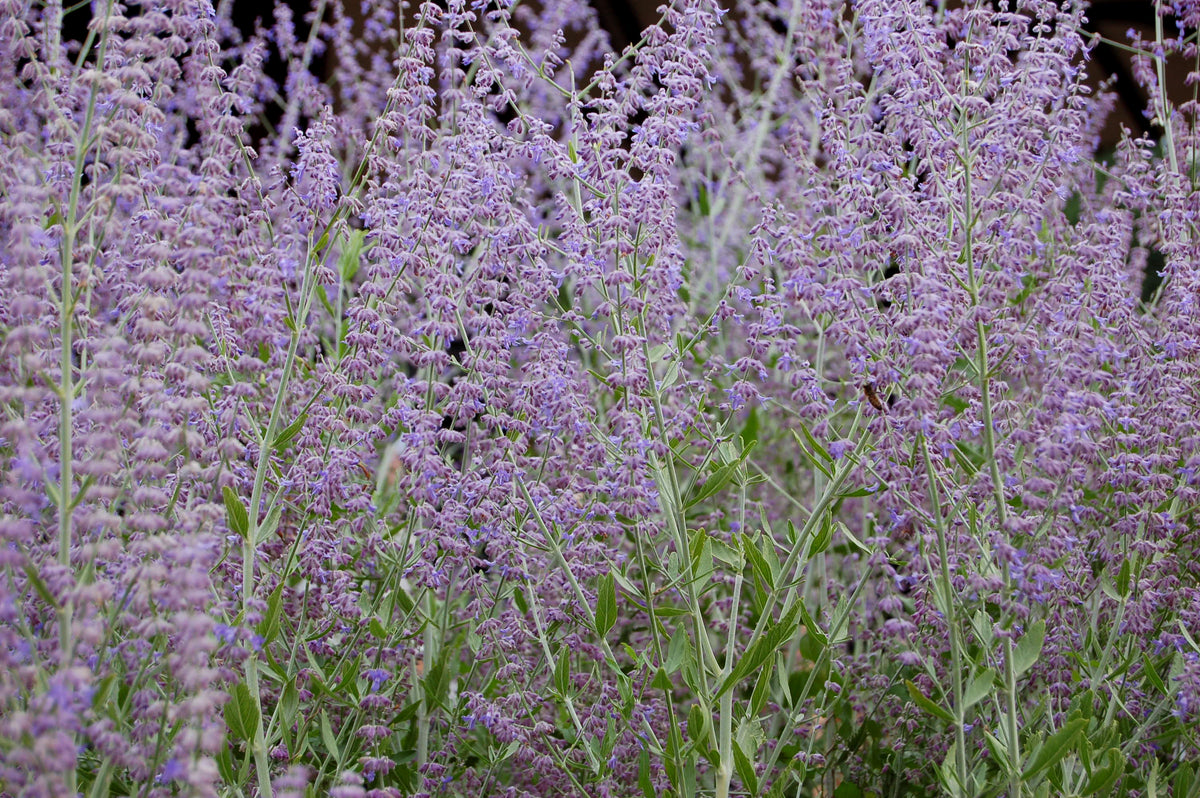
772, 407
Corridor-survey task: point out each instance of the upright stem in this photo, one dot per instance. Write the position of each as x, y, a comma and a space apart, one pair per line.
258, 746
946, 588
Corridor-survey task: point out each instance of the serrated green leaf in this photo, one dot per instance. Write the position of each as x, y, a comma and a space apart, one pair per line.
562, 672
745, 770
1187, 635
721, 477
268, 627
979, 688
814, 444
289, 432
762, 691
375, 627
1104, 777
235, 513
812, 629
823, 538
814, 456
289, 702
997, 749
267, 528
851, 539
644, 780
1185, 779
921, 700
758, 563
699, 723
625, 690
1123, 575
1029, 647
328, 738
1151, 673
606, 605
225, 765
679, 651
765, 647
727, 554
1054, 748
241, 713
351, 255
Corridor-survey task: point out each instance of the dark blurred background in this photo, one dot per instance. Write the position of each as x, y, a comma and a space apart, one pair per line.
625, 19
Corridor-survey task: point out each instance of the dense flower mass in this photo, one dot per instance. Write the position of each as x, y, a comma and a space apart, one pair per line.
428, 400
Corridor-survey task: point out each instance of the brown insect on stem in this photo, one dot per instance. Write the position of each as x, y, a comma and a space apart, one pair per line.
872, 397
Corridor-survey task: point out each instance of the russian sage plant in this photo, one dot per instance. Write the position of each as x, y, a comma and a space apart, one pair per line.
771, 408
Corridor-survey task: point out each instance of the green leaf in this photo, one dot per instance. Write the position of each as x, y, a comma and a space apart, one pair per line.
1055, 748
759, 563
979, 688
997, 749
235, 513
727, 554
1185, 778
813, 444
851, 539
562, 672
1123, 578
322, 242
762, 691
328, 738
1188, 635
606, 605
289, 702
745, 770
241, 713
1104, 777
289, 432
719, 479
351, 255
268, 627
924, 703
765, 647
822, 540
816, 453
519, 597
39, 586
679, 651
269, 524
1029, 648
103, 691
699, 723
812, 629
644, 781
750, 428
625, 690
225, 765
1151, 672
